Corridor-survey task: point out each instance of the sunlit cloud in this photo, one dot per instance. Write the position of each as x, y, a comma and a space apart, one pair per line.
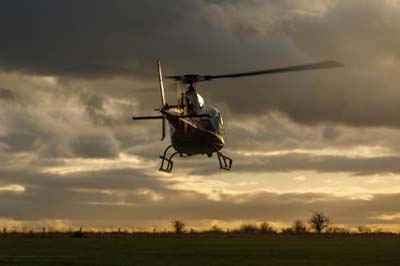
388, 217
111, 203
75, 165
13, 188
154, 196
300, 178
352, 152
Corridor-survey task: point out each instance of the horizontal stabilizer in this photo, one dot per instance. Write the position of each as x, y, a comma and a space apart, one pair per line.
184, 116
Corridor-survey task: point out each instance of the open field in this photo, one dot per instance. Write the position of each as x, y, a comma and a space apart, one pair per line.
201, 250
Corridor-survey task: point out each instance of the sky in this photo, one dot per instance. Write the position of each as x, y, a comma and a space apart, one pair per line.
72, 73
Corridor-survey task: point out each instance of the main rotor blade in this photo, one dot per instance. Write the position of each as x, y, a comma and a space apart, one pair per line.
318, 65
193, 78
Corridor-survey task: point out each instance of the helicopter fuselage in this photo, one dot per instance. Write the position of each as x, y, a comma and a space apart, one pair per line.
196, 135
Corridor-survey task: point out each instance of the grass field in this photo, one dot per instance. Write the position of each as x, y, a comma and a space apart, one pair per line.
204, 250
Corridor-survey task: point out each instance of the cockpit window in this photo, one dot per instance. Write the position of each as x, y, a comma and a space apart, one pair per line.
201, 100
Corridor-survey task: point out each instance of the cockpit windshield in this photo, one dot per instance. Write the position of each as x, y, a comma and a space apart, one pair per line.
201, 100
215, 122
196, 100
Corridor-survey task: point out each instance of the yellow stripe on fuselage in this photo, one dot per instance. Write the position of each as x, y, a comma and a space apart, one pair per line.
194, 125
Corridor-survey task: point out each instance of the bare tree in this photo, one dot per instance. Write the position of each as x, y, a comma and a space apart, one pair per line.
362, 229
178, 225
337, 230
319, 221
216, 229
299, 227
248, 228
266, 228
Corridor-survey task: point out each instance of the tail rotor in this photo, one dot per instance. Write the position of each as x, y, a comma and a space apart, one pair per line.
164, 105
162, 94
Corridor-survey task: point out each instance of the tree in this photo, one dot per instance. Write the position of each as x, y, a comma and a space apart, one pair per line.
248, 228
299, 227
216, 229
337, 230
319, 221
362, 229
266, 228
178, 225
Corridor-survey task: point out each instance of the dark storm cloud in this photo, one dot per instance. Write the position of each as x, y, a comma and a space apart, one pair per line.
6, 94
49, 38
95, 146
95, 71
103, 39
369, 28
365, 36
95, 108
96, 36
19, 142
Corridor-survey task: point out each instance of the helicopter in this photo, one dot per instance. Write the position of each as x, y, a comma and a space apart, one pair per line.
197, 129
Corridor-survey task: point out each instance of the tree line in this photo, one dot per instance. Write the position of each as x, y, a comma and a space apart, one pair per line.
318, 223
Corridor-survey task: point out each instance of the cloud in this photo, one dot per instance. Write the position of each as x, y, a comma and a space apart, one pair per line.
91, 38
19, 142
319, 163
6, 94
81, 197
72, 75
12, 188
232, 36
94, 146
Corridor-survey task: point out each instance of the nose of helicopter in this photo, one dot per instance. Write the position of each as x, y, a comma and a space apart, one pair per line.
219, 142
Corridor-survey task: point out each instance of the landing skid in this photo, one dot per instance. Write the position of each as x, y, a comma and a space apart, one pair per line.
225, 163
166, 162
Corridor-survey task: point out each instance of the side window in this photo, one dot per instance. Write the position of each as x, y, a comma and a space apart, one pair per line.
221, 124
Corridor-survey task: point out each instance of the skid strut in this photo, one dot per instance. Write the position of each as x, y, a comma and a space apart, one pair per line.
225, 162
166, 162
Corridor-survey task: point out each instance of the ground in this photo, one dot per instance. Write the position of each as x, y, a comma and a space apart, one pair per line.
201, 250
